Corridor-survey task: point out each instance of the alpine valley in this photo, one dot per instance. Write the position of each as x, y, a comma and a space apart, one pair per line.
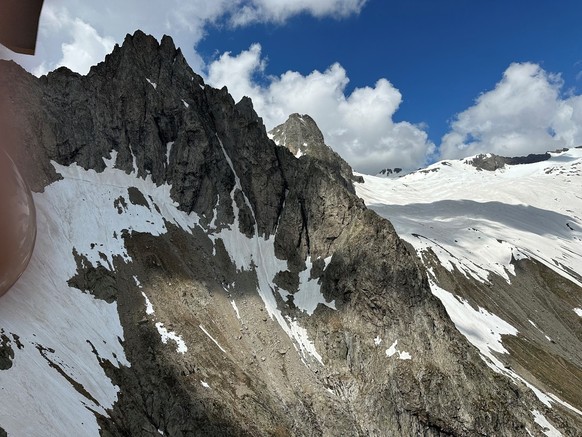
195, 275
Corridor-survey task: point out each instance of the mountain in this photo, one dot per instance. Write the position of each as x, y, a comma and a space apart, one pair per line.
301, 135
191, 277
501, 241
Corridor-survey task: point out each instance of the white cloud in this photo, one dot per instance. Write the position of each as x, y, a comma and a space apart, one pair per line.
280, 10
87, 47
79, 34
525, 113
359, 126
75, 34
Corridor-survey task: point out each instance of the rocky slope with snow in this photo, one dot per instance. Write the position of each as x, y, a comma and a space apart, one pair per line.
502, 241
191, 277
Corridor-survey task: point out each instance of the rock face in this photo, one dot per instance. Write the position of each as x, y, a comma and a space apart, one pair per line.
390, 172
301, 135
255, 293
492, 162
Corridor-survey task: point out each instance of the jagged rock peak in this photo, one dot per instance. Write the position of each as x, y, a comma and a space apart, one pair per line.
301, 135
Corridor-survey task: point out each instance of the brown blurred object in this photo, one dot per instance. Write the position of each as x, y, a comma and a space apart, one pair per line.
19, 24
17, 224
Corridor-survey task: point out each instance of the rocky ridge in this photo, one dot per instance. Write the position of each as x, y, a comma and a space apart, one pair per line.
268, 234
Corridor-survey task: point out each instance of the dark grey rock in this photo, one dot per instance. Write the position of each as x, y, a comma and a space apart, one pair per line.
6, 352
301, 135
492, 162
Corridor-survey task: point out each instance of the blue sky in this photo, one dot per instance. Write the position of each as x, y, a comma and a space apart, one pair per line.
391, 84
440, 54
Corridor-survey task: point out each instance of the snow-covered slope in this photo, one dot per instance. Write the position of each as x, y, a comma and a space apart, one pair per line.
477, 220
479, 224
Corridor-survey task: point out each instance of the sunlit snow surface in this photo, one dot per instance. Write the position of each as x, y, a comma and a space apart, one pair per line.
478, 221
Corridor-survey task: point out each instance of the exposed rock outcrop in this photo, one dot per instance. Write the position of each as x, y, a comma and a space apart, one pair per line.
491, 162
301, 135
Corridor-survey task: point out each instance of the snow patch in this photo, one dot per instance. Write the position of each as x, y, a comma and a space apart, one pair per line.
309, 295
186, 105
300, 334
547, 428
482, 329
93, 195
171, 335
204, 384
377, 340
392, 350
578, 311
149, 306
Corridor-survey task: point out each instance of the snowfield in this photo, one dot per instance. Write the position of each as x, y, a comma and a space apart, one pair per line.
478, 221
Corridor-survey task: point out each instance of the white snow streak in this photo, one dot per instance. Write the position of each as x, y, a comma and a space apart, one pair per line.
168, 151
233, 303
149, 306
153, 84
483, 329
211, 338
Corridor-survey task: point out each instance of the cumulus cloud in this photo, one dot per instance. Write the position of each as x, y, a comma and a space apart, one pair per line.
280, 10
359, 126
85, 48
525, 113
78, 34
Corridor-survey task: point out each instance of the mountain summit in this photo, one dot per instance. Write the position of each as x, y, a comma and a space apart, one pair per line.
192, 278
301, 135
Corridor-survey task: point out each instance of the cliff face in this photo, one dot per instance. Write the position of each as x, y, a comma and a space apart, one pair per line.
208, 282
